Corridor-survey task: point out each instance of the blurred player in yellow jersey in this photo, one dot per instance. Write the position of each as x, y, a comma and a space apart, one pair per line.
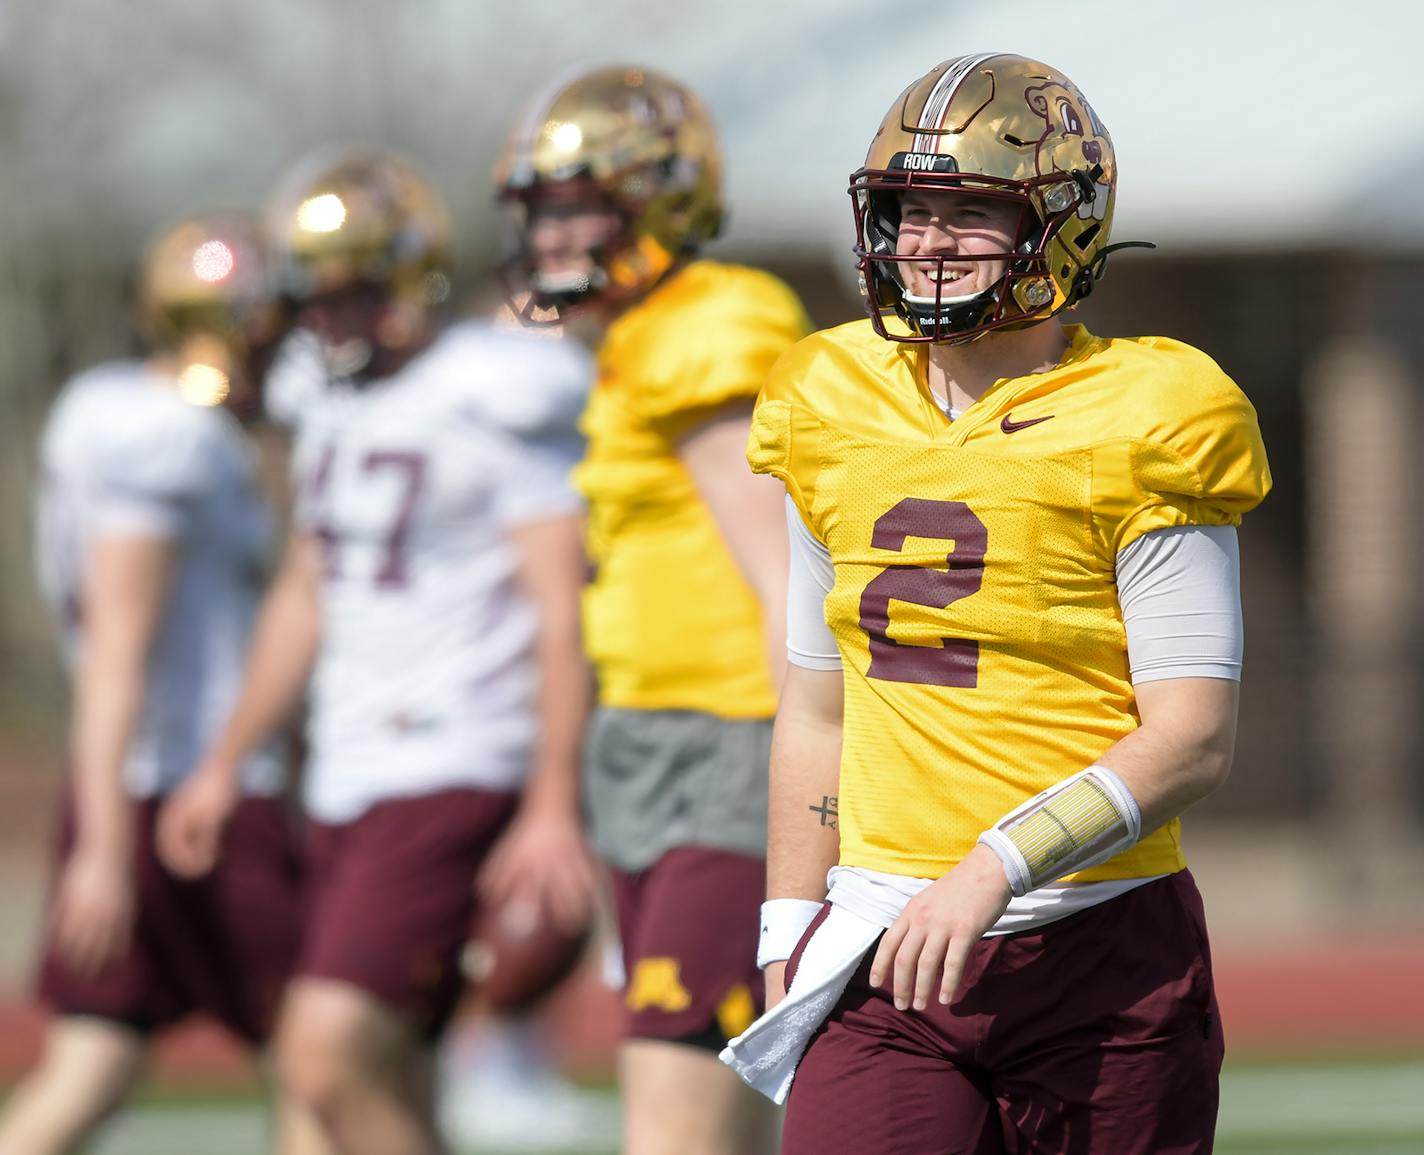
1014, 628
614, 179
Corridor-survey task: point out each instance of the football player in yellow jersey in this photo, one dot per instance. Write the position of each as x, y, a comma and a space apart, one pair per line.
614, 179
1015, 644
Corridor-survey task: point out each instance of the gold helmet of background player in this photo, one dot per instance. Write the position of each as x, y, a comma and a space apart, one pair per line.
207, 298
1000, 126
624, 139
364, 221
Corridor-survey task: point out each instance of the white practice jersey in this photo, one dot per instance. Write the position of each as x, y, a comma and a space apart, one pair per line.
123, 454
295, 380
426, 677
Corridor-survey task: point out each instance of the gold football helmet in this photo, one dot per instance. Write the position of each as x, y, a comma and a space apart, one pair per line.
624, 140
206, 297
364, 222
996, 126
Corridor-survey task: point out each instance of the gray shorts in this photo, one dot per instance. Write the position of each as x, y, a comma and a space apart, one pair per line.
657, 779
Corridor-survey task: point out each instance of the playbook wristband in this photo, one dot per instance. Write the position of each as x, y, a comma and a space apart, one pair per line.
1074, 824
783, 922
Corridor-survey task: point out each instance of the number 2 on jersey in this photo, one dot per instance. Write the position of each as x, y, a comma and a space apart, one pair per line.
955, 662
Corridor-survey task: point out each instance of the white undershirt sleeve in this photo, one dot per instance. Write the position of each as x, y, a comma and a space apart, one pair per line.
1180, 594
534, 478
809, 641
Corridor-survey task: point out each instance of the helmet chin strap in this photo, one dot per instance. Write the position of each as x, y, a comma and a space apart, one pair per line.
571, 282
554, 290
928, 303
952, 311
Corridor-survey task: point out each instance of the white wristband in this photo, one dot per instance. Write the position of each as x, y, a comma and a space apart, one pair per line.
783, 922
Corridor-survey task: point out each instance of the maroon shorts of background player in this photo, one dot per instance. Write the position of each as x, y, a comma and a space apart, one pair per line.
1098, 1033
689, 926
224, 944
392, 895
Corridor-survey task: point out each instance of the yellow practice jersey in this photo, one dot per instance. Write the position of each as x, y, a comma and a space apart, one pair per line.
669, 621
974, 602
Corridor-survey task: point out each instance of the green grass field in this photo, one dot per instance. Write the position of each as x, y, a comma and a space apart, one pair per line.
1268, 1108
1317, 1108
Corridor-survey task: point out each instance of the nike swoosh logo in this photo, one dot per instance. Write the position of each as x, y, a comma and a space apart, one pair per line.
1009, 426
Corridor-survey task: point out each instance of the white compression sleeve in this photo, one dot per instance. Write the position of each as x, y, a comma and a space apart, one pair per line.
1180, 594
809, 641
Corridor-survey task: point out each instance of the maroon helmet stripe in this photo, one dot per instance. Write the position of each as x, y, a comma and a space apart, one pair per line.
937, 104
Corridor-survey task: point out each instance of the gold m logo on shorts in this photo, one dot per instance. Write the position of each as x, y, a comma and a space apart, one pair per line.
656, 984
736, 1012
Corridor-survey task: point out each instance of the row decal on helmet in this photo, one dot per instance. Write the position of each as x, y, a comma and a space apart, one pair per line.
932, 116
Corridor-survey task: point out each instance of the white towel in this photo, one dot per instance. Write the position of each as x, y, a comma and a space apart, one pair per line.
765, 1055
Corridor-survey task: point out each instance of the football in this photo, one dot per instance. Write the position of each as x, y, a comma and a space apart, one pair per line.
515, 956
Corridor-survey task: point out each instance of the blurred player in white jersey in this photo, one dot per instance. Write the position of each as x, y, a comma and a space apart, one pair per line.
151, 546
430, 597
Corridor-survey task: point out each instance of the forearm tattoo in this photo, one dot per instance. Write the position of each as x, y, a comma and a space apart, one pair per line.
827, 810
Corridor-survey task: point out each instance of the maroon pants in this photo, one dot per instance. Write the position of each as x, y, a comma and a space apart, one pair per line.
1097, 1035
224, 944
393, 898
689, 926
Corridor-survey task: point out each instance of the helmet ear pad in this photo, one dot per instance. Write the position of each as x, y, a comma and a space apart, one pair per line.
882, 230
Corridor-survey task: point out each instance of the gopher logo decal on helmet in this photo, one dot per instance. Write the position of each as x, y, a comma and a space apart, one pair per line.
1073, 140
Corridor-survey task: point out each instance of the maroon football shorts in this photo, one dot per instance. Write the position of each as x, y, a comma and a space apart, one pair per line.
224, 944
689, 926
1097, 1034
392, 897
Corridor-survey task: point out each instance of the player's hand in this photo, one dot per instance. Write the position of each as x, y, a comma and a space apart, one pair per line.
927, 946
543, 859
774, 974
94, 911
192, 820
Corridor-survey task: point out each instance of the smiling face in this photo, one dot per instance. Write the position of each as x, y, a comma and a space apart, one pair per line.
364, 332
963, 242
564, 238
